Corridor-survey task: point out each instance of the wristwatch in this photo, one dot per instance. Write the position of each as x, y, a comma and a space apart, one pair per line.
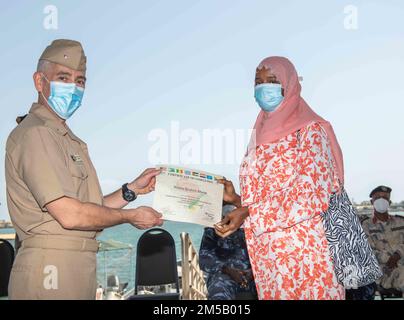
128, 194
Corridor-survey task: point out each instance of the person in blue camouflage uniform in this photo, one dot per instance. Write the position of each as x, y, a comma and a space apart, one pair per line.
367, 292
227, 265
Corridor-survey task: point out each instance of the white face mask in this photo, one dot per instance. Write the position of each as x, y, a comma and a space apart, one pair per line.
381, 205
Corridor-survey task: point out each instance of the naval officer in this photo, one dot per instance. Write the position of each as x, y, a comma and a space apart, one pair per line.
54, 196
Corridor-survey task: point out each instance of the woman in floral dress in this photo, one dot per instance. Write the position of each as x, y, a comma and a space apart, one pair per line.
292, 166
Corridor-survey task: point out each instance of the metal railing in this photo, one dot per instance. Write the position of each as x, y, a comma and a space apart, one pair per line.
193, 281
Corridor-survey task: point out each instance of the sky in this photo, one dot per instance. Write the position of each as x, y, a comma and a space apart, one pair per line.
178, 68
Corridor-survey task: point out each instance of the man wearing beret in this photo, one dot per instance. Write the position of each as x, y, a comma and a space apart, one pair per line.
386, 236
54, 196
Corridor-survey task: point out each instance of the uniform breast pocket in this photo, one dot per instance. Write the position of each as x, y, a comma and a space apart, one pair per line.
79, 172
77, 168
79, 178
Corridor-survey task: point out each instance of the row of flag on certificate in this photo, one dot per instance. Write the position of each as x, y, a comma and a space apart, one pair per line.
188, 172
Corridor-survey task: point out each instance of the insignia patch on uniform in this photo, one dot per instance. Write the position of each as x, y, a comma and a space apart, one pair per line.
76, 158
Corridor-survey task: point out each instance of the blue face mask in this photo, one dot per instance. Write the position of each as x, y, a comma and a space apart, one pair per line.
268, 96
64, 98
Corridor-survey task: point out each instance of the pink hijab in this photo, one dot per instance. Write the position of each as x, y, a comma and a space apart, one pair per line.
293, 113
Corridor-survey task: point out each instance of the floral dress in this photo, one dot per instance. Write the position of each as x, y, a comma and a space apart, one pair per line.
286, 186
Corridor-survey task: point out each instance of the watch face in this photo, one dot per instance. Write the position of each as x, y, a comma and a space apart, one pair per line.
129, 195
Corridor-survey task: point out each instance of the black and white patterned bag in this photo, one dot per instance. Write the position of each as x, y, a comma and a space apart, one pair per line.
355, 264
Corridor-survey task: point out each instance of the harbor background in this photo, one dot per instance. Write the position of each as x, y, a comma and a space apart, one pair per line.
122, 262
171, 70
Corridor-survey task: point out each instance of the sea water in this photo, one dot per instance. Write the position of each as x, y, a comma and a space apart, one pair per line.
123, 262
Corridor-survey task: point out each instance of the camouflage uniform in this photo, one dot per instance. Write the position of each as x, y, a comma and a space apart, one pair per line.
367, 292
387, 238
217, 252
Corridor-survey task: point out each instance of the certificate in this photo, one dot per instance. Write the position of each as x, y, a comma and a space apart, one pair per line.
187, 195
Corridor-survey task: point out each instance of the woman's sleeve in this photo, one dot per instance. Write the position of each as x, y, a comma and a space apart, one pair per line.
248, 181
308, 192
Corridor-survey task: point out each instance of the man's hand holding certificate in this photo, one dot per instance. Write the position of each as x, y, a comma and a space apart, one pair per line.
187, 195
